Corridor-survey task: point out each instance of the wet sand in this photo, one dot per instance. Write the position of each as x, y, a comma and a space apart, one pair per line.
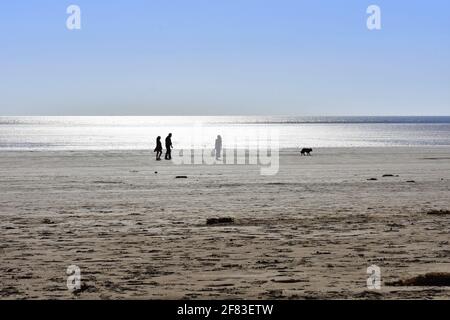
308, 232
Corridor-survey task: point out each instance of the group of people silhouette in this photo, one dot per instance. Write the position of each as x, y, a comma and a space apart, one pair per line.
159, 148
169, 146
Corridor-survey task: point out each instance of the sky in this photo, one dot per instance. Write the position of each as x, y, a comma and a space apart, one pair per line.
224, 57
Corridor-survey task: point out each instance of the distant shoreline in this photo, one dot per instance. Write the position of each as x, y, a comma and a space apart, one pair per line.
259, 119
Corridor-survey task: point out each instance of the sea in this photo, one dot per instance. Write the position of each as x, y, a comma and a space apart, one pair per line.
140, 132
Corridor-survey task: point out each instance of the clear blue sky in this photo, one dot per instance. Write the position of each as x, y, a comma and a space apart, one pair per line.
225, 57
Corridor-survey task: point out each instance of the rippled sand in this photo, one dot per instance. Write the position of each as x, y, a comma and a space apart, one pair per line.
308, 232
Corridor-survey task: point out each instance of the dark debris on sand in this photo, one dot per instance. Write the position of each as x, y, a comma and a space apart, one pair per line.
438, 212
369, 295
214, 221
47, 221
85, 287
9, 291
433, 279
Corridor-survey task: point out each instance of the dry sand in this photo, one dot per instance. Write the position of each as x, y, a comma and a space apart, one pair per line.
308, 232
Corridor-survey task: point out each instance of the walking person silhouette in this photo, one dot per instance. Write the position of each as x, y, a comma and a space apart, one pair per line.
169, 147
158, 148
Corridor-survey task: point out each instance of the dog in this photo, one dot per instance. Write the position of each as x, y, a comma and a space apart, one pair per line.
306, 151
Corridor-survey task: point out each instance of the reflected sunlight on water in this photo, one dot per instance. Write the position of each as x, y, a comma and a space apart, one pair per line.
136, 133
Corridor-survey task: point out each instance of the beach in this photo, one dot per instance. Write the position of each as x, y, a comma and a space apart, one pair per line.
138, 232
